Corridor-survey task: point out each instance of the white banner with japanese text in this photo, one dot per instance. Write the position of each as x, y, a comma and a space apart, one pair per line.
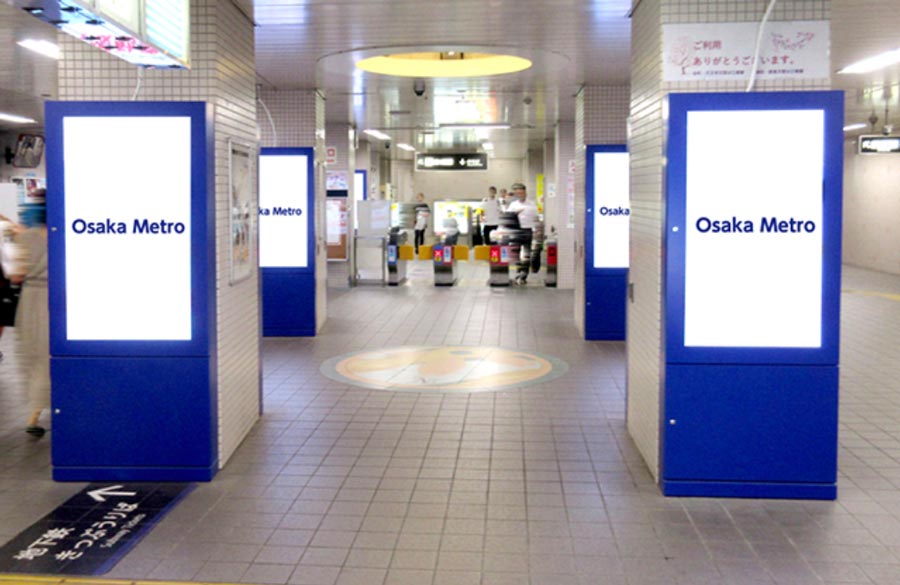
724, 51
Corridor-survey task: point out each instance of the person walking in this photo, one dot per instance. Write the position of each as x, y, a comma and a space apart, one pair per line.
32, 316
423, 212
528, 218
491, 214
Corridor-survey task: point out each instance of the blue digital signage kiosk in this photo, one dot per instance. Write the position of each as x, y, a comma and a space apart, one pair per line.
287, 241
751, 295
131, 235
606, 241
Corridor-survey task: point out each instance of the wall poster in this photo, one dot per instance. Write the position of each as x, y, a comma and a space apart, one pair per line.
240, 188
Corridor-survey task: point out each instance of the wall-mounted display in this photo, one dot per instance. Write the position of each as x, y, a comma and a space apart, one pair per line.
240, 183
125, 237
283, 210
462, 211
611, 210
753, 250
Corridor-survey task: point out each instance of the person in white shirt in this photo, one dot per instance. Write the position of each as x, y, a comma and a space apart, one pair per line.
423, 212
491, 214
528, 220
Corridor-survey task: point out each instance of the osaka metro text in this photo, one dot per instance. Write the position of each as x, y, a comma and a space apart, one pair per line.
138, 226
771, 225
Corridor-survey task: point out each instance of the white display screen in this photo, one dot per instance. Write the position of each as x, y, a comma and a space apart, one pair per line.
612, 213
128, 228
283, 197
753, 247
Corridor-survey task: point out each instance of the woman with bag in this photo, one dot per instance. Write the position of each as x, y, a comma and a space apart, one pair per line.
32, 316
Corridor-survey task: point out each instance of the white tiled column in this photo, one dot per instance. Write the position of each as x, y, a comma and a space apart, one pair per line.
644, 334
601, 115
223, 74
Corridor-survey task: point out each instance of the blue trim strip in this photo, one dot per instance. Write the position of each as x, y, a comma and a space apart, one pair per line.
203, 301
832, 103
717, 489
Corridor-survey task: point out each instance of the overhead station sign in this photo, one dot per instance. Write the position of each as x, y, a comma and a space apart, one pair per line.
149, 33
878, 144
128, 228
283, 211
452, 162
754, 239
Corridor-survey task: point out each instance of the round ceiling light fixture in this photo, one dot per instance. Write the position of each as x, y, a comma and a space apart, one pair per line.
443, 64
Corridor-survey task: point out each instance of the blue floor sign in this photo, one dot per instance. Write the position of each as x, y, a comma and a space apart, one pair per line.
92, 530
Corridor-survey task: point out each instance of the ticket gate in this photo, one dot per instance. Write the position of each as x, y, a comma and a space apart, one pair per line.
499, 262
550, 275
444, 265
398, 252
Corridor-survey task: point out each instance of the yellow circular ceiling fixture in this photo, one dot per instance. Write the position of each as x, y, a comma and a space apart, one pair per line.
443, 64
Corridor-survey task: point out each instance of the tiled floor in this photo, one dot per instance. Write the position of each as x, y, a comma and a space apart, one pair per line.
541, 485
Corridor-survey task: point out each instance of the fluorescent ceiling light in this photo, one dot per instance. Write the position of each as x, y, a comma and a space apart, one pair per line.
405, 146
16, 119
45, 48
873, 63
474, 126
434, 64
376, 134
852, 127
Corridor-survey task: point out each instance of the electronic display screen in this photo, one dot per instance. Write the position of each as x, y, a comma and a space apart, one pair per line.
612, 213
283, 202
754, 217
128, 228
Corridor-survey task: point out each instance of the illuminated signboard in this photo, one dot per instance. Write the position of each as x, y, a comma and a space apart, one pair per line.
754, 229
879, 144
612, 213
127, 241
452, 162
283, 202
150, 33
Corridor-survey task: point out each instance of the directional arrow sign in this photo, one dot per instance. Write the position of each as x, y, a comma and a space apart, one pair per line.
99, 494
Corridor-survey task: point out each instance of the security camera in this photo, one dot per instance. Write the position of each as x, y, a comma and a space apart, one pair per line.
387, 145
419, 87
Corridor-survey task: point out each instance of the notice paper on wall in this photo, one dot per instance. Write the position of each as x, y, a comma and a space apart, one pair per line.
754, 213
724, 51
128, 228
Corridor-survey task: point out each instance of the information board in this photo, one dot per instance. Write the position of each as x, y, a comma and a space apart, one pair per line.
754, 222
283, 211
612, 212
127, 228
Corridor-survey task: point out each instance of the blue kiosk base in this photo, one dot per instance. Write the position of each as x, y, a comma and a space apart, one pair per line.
750, 431
605, 305
288, 302
134, 419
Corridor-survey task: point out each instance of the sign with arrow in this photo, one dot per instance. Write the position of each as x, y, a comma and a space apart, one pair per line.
92, 530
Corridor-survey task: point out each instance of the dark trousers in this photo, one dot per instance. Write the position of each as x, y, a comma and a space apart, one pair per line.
420, 239
487, 234
524, 264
